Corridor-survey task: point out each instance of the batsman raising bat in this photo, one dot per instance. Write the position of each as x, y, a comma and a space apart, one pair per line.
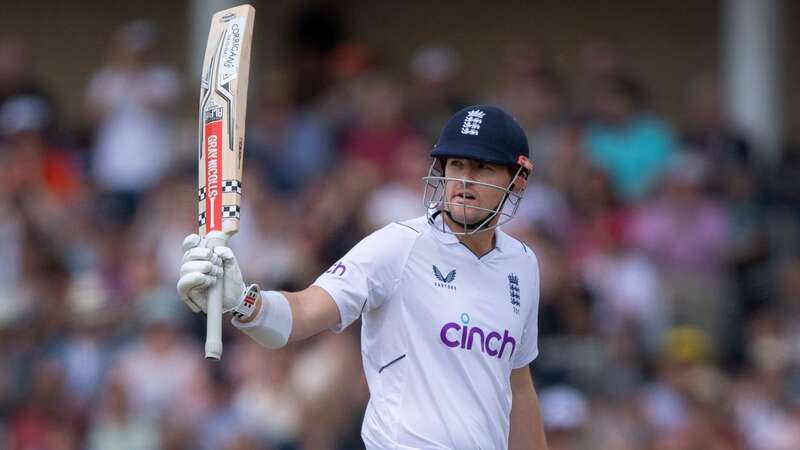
223, 100
448, 301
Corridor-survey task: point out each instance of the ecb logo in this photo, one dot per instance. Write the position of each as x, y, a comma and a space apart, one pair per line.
513, 287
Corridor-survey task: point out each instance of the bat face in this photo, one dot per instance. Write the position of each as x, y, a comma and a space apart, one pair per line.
223, 95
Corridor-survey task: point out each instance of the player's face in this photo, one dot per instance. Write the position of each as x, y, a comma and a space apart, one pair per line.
473, 195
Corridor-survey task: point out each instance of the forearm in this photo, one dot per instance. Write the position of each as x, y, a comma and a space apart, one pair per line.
279, 318
270, 318
313, 311
527, 429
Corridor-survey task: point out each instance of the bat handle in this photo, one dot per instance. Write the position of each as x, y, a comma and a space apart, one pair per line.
214, 311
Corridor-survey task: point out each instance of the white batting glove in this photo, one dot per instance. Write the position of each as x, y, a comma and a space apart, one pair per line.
202, 267
199, 270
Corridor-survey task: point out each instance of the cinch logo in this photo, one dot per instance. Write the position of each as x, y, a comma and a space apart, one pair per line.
464, 336
336, 267
444, 281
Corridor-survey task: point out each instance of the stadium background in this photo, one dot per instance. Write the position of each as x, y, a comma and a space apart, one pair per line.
668, 233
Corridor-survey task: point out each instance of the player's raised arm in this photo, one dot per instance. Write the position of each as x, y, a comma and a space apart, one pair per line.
313, 310
271, 318
360, 282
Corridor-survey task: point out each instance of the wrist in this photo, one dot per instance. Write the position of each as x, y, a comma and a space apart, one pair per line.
271, 325
249, 305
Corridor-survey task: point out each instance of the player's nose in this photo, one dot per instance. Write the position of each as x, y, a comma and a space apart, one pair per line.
469, 172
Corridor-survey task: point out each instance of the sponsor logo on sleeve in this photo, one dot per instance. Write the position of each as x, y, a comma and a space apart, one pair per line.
338, 269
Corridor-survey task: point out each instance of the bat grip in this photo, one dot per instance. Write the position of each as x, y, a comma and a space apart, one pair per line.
214, 311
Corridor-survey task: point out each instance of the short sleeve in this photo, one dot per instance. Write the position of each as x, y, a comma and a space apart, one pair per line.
529, 345
368, 274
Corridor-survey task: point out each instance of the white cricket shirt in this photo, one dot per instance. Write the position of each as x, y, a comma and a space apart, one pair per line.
441, 331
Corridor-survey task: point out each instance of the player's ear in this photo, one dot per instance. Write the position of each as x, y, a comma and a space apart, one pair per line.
512, 172
522, 170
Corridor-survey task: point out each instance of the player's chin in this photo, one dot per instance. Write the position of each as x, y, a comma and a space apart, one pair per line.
458, 215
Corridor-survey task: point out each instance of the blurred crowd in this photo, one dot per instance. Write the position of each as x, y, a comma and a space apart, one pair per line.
669, 250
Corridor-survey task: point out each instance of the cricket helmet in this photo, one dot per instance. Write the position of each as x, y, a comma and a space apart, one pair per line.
483, 133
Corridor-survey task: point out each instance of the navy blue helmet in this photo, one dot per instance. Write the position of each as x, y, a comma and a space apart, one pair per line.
484, 133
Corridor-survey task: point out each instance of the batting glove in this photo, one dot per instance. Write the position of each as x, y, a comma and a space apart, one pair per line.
202, 267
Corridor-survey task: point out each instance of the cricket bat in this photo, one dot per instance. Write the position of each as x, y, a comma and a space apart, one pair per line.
223, 101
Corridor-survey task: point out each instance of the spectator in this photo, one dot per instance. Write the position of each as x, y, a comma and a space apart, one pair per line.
46, 418
381, 126
161, 372
789, 306
784, 186
400, 197
687, 233
24, 122
116, 427
293, 144
762, 415
534, 94
565, 412
708, 133
130, 100
599, 59
433, 91
664, 401
266, 405
622, 138
625, 283
42, 185
521, 61
540, 109
16, 75
749, 246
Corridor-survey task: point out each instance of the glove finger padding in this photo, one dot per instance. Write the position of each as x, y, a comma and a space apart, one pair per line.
234, 285
193, 288
192, 305
201, 254
199, 269
204, 267
194, 280
227, 257
191, 241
